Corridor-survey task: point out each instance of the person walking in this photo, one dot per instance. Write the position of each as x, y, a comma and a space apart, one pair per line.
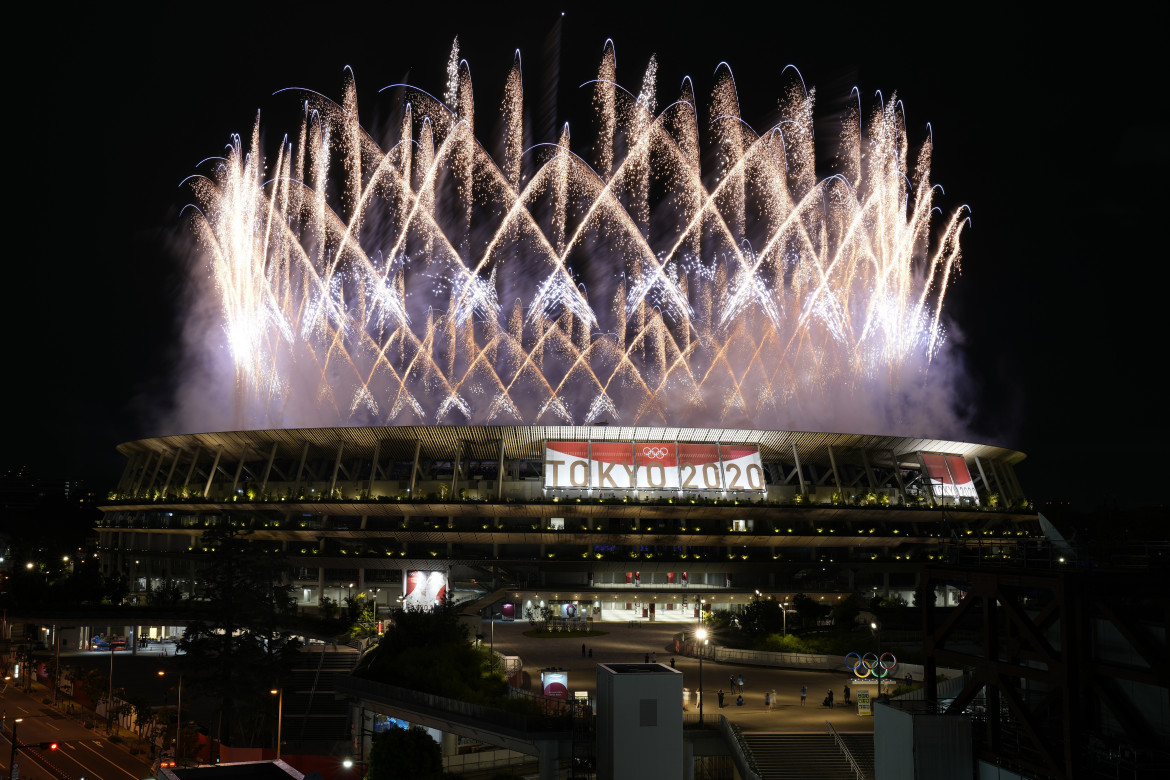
731, 683
845, 700
582, 649
672, 662
720, 692
803, 694
768, 701
739, 681
774, 701
647, 658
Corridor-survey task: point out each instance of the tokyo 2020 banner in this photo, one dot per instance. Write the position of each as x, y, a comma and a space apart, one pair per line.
649, 465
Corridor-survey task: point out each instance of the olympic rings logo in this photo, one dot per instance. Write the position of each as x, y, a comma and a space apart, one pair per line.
870, 665
655, 453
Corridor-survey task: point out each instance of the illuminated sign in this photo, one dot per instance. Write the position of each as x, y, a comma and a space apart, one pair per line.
424, 589
949, 476
871, 665
555, 683
648, 465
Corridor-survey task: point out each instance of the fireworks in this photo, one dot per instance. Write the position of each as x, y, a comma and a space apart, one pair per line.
424, 282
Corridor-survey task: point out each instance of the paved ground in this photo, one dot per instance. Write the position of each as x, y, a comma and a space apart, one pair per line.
625, 644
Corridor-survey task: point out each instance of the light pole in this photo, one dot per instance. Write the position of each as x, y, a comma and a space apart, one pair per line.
701, 635
57, 666
178, 718
876, 627
12, 757
279, 716
492, 662
110, 692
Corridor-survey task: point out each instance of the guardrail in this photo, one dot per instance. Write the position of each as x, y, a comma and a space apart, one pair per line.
741, 754
845, 749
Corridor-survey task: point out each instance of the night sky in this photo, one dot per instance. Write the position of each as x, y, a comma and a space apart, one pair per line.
1048, 128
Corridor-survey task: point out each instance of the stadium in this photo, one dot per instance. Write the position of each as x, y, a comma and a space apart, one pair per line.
609, 523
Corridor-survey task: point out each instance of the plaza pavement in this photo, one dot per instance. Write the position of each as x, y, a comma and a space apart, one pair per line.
629, 644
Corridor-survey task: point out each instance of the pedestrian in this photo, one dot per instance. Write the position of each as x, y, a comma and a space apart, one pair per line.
739, 700
591, 652
720, 692
846, 699
909, 679
647, 658
803, 694
582, 649
654, 658
768, 701
830, 697
774, 696
672, 662
731, 683
739, 681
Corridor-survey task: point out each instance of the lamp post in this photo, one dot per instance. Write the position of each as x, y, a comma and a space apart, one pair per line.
178, 718
110, 692
492, 662
12, 757
57, 666
701, 635
876, 627
278, 692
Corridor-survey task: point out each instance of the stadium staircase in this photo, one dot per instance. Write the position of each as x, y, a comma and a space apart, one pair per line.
809, 756
314, 719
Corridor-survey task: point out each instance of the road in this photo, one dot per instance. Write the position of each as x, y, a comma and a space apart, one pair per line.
81, 752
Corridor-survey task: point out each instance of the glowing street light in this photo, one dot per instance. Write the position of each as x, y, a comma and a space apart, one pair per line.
279, 716
701, 635
178, 718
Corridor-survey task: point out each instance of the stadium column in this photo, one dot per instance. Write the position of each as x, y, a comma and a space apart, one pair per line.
799, 471
267, 470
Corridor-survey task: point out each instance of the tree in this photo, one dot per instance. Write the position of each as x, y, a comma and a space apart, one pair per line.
809, 610
405, 754
762, 617
432, 651
242, 645
845, 612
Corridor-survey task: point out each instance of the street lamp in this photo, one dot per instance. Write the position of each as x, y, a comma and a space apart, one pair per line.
178, 718
876, 627
279, 716
12, 757
701, 635
492, 662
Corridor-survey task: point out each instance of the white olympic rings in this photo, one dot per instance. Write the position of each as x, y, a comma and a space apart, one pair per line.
655, 453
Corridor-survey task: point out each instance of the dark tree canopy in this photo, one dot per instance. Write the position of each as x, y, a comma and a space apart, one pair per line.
432, 651
405, 754
242, 643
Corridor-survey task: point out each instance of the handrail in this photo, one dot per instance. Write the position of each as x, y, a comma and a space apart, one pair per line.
845, 749
741, 753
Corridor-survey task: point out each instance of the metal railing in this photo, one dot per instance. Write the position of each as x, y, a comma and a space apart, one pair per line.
861, 775
741, 753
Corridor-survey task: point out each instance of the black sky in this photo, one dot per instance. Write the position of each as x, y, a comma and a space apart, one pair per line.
1048, 127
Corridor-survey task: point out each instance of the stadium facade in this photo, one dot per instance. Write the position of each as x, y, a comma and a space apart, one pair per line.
608, 522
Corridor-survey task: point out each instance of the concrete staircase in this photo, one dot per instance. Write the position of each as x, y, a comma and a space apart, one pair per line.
809, 756
314, 719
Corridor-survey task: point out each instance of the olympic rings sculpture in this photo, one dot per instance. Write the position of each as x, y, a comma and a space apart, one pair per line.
870, 665
655, 453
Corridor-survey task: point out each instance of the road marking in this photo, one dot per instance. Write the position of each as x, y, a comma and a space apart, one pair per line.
110, 762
